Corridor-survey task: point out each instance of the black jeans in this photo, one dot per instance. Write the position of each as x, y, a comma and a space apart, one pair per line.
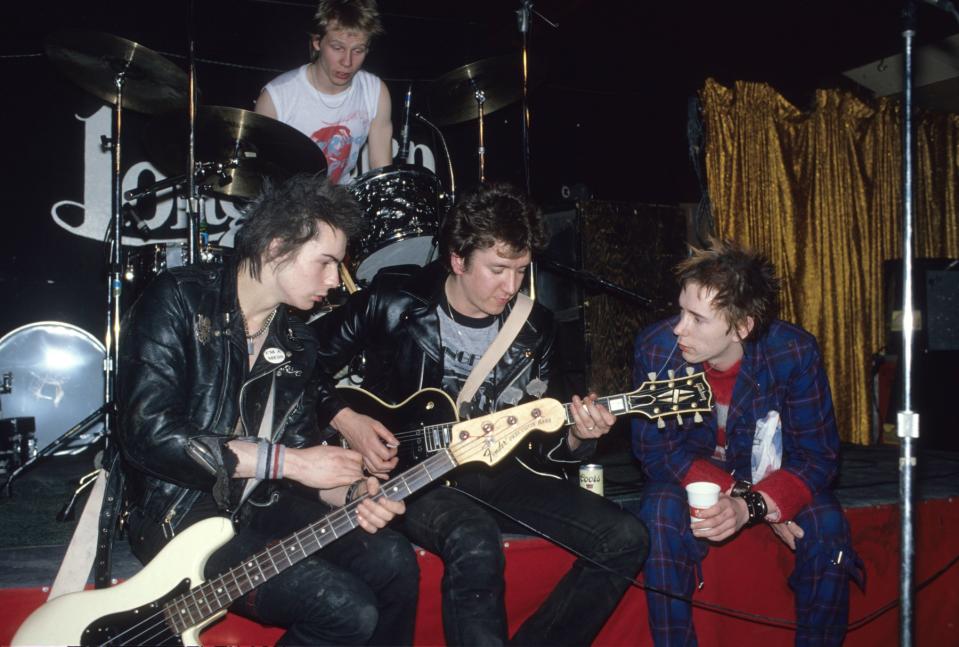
360, 589
467, 536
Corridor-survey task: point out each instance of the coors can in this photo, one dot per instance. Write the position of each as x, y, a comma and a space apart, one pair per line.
591, 478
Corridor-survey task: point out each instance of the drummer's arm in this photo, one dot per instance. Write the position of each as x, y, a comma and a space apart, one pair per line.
264, 105
380, 140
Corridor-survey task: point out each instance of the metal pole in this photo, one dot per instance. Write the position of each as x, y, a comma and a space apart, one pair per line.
907, 420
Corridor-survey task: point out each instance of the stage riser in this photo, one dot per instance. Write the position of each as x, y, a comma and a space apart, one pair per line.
748, 574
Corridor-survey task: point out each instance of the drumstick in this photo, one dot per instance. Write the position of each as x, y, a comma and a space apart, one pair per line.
347, 279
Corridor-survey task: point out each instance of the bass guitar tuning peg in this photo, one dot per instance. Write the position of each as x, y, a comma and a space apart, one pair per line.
660, 423
697, 417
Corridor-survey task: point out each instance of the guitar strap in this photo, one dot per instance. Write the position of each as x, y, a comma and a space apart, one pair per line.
78, 560
514, 322
266, 429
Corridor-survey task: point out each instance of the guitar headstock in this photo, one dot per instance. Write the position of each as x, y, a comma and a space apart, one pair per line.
491, 437
673, 396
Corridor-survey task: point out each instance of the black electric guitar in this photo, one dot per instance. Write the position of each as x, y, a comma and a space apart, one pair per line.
424, 422
168, 603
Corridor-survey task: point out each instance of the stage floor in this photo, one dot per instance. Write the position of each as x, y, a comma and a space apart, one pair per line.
32, 541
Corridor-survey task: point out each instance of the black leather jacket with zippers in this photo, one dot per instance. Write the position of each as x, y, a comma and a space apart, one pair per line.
394, 323
184, 389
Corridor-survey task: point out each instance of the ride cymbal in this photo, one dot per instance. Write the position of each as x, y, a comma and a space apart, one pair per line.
247, 146
453, 95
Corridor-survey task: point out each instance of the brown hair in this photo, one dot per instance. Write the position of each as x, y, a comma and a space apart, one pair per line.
493, 213
359, 15
744, 283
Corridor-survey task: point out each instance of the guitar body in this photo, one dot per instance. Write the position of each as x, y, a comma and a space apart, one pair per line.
421, 422
94, 617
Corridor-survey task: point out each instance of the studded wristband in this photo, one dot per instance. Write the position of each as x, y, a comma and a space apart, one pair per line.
756, 505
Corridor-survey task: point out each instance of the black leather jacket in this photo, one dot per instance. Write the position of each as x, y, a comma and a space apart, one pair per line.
184, 383
395, 324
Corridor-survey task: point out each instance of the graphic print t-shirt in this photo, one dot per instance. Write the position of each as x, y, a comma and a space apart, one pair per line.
338, 123
465, 339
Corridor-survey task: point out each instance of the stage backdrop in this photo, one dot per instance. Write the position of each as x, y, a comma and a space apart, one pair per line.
820, 193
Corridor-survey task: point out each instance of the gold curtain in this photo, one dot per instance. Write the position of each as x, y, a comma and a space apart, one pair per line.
820, 192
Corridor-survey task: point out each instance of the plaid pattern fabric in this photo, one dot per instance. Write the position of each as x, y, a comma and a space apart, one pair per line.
781, 371
825, 561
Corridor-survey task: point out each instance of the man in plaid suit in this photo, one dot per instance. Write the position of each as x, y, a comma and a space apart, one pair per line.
769, 385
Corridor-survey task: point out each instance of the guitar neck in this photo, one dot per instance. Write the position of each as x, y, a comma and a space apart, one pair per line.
615, 404
217, 594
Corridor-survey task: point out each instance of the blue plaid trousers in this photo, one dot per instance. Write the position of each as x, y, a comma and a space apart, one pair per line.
820, 579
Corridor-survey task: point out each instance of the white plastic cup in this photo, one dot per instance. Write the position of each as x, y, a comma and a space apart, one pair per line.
702, 495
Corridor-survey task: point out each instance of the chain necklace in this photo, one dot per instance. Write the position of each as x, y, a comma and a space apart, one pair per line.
251, 338
338, 99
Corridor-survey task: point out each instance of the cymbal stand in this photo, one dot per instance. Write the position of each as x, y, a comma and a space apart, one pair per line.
480, 96
193, 200
523, 15
115, 280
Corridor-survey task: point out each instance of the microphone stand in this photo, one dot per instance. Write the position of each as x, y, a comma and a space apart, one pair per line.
907, 421
404, 151
193, 202
523, 15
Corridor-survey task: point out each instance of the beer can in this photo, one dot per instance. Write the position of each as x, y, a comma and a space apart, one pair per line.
591, 478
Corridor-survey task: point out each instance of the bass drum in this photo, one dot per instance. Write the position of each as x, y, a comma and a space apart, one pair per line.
58, 379
404, 204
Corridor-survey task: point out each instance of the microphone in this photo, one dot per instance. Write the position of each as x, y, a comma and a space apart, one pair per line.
405, 132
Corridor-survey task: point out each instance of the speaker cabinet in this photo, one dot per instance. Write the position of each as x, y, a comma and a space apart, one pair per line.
606, 274
935, 369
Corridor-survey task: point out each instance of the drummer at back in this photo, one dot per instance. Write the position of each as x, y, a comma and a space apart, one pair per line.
331, 99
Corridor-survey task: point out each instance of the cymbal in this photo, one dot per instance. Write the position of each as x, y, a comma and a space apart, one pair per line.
453, 97
152, 83
249, 145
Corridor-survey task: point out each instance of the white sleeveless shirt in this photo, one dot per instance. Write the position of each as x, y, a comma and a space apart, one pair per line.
338, 123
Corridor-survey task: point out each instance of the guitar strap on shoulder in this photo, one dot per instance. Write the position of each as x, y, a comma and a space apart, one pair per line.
514, 322
266, 429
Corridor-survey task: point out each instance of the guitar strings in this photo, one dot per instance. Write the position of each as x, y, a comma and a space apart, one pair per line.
466, 451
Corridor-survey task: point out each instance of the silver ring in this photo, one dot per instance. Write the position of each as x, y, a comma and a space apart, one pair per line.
590, 428
788, 522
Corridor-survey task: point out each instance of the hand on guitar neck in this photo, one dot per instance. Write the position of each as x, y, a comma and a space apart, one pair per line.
592, 420
370, 438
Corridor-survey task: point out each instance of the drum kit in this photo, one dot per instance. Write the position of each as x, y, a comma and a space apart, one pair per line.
54, 373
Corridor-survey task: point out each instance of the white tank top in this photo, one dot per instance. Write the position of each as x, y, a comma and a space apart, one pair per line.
338, 123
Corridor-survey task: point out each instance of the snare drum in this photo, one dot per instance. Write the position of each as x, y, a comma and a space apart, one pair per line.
403, 205
57, 380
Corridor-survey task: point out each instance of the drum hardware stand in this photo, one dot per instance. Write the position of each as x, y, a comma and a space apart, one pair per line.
446, 154
480, 96
449, 167
105, 411
404, 151
193, 200
523, 23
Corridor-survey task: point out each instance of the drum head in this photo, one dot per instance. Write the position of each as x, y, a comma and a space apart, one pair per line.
57, 380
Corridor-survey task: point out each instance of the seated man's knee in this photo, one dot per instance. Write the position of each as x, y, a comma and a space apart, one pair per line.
663, 504
476, 546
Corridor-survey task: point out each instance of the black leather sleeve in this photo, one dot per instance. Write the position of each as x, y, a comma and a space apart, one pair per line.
154, 425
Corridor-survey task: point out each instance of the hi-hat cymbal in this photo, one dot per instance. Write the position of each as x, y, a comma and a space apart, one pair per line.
453, 96
250, 146
151, 83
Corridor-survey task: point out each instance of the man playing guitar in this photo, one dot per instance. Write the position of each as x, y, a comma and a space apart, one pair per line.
427, 327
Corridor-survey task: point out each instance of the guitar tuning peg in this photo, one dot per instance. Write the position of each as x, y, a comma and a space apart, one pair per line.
660, 423
690, 370
671, 373
651, 375
697, 417
679, 419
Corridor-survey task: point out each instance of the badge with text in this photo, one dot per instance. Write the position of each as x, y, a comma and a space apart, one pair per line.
274, 355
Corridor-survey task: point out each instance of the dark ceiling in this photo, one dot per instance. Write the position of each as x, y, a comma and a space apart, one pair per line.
610, 82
